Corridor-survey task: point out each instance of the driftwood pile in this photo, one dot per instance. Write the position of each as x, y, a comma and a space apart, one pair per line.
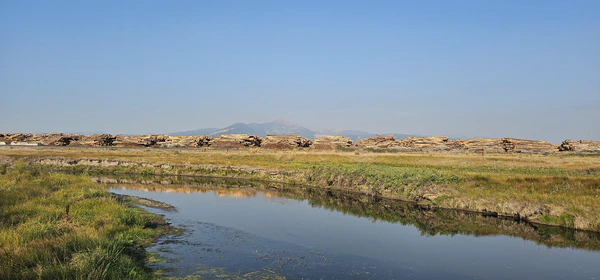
236, 141
429, 143
285, 141
479, 144
331, 142
526, 146
377, 142
582, 146
186, 142
437, 143
139, 141
98, 140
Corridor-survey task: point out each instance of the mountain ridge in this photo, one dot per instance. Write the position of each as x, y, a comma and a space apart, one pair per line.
280, 127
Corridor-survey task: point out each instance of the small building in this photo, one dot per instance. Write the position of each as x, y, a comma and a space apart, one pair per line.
2, 143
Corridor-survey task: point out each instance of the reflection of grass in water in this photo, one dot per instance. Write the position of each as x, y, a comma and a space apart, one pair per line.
429, 222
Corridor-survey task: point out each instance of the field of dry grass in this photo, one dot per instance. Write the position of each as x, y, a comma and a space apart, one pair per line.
560, 189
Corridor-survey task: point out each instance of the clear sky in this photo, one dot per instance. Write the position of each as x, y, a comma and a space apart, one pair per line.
493, 68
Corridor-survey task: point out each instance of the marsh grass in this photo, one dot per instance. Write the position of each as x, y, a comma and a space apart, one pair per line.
98, 237
544, 186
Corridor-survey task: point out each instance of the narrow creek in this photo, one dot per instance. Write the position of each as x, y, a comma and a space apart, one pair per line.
237, 229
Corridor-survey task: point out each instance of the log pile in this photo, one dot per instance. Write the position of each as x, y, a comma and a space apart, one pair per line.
96, 140
235, 141
580, 146
331, 142
186, 142
57, 139
285, 142
479, 145
45, 139
526, 146
294, 141
16, 137
425, 143
377, 142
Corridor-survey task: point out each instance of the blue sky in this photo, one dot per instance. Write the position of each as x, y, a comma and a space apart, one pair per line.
527, 69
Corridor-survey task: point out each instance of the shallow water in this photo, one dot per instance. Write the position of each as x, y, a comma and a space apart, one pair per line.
248, 231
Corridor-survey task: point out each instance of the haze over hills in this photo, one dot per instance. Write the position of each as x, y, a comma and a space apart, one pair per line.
279, 127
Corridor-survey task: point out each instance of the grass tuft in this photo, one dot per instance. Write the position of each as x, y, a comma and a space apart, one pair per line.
98, 238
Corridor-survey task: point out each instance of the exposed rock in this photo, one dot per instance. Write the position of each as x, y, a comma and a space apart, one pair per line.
580, 146
377, 142
285, 141
235, 141
332, 142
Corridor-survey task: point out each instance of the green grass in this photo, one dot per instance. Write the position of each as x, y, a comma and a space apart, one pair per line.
100, 237
531, 185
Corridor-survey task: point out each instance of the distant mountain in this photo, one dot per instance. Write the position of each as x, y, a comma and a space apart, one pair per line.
196, 132
355, 135
262, 129
282, 128
398, 136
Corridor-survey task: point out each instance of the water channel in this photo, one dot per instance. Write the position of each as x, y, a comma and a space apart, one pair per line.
240, 229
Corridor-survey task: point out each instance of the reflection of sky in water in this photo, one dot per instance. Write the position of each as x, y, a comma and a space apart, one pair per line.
244, 227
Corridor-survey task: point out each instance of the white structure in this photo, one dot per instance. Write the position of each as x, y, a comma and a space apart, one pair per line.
2, 143
25, 144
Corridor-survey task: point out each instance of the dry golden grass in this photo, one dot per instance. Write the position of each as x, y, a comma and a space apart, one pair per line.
492, 163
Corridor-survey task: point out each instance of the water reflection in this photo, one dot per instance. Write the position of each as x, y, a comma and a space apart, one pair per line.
428, 221
303, 232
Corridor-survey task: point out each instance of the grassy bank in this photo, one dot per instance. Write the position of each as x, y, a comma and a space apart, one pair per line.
58, 226
556, 189
427, 221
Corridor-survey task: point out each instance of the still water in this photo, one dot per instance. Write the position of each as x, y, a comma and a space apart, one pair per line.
244, 230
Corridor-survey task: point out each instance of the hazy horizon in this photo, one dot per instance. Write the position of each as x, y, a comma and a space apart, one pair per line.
526, 69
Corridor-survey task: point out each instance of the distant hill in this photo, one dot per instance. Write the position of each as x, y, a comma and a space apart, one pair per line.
355, 135
195, 132
262, 129
402, 136
282, 128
